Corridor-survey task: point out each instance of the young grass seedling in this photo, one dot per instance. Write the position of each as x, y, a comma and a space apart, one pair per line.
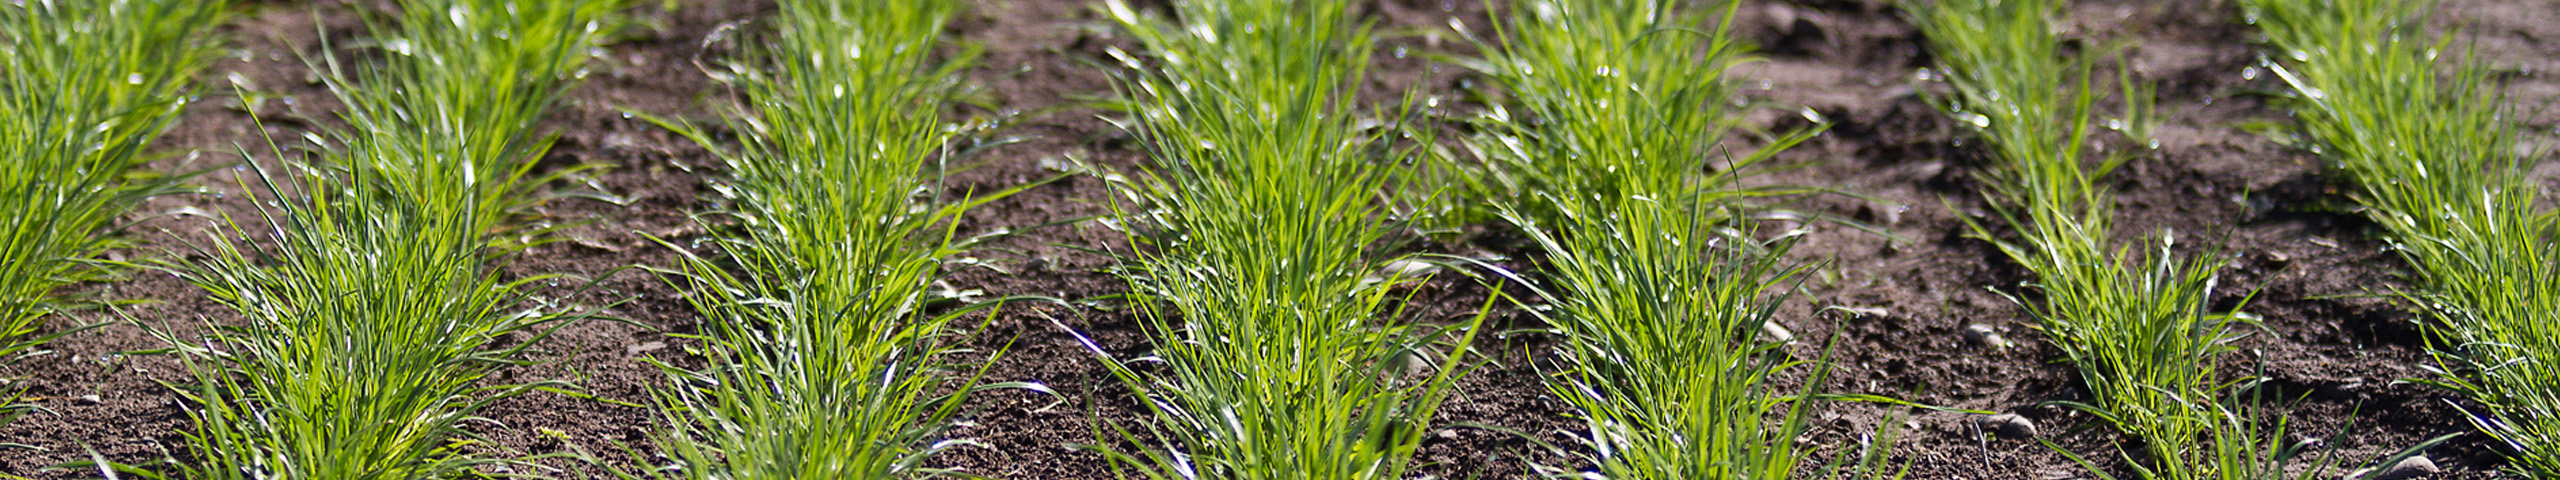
2431, 147
1661, 291
374, 319
1253, 236
2136, 322
85, 87
827, 358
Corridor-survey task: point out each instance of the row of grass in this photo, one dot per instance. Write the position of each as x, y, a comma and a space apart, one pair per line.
2135, 322
2424, 136
1616, 166
85, 87
371, 300
825, 335
1253, 238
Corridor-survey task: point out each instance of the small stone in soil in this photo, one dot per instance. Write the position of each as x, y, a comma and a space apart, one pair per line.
1776, 333
1985, 336
90, 400
2306, 444
2010, 426
2408, 468
645, 347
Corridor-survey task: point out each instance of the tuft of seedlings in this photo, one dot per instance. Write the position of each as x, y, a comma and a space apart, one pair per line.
85, 87
372, 307
1665, 298
2136, 322
1610, 100
2430, 144
1254, 235
825, 337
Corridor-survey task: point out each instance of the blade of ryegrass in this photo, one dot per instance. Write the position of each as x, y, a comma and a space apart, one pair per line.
2430, 143
376, 314
1661, 290
85, 87
2135, 322
1253, 234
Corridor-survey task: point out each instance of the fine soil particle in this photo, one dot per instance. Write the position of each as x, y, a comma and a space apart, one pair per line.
1893, 309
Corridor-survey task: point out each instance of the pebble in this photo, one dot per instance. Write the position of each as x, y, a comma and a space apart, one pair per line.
645, 347
2409, 468
1774, 332
93, 400
2308, 444
2010, 426
1985, 336
1059, 165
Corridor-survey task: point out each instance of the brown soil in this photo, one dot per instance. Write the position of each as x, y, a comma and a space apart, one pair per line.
2297, 253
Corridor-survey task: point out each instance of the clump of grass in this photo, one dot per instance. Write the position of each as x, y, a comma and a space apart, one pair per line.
1253, 238
1661, 291
1616, 99
373, 320
2431, 146
2136, 322
85, 87
826, 356
451, 120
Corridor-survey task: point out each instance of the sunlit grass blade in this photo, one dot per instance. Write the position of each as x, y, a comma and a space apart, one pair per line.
827, 349
1255, 230
2431, 145
85, 87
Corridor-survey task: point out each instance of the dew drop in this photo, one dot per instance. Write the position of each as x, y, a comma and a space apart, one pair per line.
1976, 119
2250, 73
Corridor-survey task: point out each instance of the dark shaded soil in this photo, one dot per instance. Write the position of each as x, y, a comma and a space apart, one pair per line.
2304, 262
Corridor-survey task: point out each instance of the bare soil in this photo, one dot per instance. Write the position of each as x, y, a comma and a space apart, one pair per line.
2299, 255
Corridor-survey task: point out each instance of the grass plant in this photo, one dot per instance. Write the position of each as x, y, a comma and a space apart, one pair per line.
373, 319
1615, 99
1660, 289
2136, 322
85, 87
826, 348
2431, 147
1255, 234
